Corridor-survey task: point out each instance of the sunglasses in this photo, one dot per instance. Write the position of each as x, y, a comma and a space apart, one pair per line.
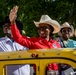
43, 27
66, 30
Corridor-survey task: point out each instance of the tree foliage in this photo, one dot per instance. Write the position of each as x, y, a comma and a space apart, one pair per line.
30, 10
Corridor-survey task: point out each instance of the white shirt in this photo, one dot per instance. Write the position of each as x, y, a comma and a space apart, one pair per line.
7, 45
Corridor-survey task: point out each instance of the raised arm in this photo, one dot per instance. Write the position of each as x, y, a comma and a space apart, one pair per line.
15, 32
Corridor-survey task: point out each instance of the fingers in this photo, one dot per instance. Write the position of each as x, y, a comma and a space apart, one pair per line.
15, 9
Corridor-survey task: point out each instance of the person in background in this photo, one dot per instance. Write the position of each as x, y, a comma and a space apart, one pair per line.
66, 32
8, 44
46, 28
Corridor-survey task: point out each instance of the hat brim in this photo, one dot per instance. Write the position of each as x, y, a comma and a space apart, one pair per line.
65, 27
53, 23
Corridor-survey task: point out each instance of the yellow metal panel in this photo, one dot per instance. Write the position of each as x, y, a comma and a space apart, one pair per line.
41, 58
44, 63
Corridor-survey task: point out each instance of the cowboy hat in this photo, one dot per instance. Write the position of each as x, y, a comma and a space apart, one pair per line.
46, 19
66, 25
18, 23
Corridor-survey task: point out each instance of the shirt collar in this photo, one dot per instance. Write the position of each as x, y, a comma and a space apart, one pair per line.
46, 40
7, 39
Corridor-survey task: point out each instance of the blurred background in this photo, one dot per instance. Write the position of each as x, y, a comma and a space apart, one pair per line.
30, 10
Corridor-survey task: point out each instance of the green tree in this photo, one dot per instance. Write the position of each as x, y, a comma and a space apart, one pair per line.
29, 10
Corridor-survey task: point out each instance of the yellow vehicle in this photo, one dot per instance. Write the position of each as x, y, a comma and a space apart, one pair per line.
40, 57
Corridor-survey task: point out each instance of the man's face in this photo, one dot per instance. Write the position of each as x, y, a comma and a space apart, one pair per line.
66, 33
6, 29
44, 30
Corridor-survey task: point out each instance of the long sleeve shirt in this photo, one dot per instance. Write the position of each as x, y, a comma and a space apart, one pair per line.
66, 44
7, 45
33, 43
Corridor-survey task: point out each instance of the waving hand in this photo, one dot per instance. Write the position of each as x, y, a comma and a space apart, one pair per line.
13, 14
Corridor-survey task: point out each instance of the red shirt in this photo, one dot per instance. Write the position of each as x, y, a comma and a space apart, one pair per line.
35, 43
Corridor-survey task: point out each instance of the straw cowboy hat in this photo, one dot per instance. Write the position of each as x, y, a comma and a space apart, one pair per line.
46, 19
66, 25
